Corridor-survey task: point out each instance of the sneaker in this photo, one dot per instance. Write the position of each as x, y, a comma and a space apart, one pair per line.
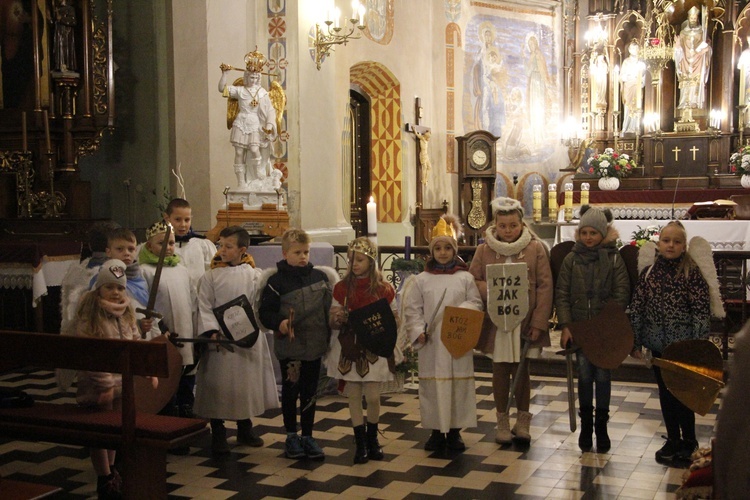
436, 441
686, 449
668, 451
293, 446
312, 450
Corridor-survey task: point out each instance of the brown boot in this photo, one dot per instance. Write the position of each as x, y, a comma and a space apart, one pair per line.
521, 429
503, 435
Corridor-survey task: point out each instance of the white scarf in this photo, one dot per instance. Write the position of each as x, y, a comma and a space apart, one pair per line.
503, 248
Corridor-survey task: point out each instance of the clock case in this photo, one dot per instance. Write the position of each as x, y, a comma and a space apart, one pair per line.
482, 193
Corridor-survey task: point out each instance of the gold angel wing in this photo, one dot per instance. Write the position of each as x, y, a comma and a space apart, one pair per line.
233, 105
278, 101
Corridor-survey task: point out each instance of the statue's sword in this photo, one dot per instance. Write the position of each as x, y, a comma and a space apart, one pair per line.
568, 352
149, 311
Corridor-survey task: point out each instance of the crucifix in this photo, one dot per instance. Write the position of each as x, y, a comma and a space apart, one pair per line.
422, 135
694, 150
676, 152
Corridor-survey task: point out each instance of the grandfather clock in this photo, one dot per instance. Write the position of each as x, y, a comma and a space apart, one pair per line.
476, 182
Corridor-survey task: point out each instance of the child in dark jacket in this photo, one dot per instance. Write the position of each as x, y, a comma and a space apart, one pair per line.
294, 303
592, 274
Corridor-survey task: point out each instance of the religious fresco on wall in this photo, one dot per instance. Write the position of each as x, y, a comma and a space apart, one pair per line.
379, 20
511, 86
277, 65
453, 10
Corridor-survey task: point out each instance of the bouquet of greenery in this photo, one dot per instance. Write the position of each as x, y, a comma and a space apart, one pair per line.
739, 162
642, 236
611, 164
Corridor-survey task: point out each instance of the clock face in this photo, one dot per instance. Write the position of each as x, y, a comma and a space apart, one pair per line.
480, 157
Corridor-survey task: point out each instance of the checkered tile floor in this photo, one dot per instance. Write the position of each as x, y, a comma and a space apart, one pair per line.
552, 467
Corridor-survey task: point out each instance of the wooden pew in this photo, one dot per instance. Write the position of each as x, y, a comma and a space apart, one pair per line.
142, 439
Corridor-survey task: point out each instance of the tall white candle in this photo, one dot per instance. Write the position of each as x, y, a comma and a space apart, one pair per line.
372, 217
616, 83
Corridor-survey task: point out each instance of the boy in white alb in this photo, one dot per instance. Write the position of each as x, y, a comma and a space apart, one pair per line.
194, 250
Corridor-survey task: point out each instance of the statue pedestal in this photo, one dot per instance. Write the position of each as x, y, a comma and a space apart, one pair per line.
267, 220
255, 200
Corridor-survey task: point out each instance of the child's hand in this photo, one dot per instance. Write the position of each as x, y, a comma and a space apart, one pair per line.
421, 339
106, 397
284, 327
154, 382
534, 334
636, 353
565, 337
146, 325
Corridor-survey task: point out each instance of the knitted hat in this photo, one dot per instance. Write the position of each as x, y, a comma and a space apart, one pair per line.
595, 218
112, 271
364, 246
158, 227
448, 228
505, 205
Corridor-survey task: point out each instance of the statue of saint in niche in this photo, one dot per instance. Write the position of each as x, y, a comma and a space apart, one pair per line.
692, 58
65, 48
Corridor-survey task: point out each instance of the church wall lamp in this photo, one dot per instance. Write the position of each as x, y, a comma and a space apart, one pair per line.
324, 39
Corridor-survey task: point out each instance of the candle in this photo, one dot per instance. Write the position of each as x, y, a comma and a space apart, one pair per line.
537, 202
639, 94
568, 195
46, 131
407, 247
24, 141
742, 65
616, 83
552, 202
585, 193
372, 218
336, 16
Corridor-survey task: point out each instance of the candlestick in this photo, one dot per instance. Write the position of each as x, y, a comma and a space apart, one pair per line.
407, 247
552, 202
372, 217
24, 141
46, 131
537, 202
585, 187
568, 201
616, 78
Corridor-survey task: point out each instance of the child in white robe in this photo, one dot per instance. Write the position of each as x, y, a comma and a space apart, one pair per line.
447, 396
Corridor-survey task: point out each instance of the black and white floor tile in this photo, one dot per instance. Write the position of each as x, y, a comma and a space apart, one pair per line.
552, 467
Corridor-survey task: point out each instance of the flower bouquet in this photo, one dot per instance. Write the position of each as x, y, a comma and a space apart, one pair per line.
739, 162
611, 164
642, 236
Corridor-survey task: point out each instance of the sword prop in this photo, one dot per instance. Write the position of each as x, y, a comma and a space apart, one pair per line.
222, 342
149, 311
428, 326
519, 370
568, 353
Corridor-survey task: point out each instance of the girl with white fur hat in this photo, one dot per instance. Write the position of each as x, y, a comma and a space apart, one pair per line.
510, 241
447, 397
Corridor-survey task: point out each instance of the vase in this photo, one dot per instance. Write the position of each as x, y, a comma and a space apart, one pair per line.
609, 183
745, 181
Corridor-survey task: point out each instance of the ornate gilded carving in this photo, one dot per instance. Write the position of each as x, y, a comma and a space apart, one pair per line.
100, 68
91, 145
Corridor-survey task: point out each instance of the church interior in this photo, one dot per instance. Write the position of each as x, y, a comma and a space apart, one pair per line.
109, 109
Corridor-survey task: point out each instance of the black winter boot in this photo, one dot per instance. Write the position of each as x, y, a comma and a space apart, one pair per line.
603, 444
585, 439
246, 435
454, 441
374, 451
360, 441
219, 445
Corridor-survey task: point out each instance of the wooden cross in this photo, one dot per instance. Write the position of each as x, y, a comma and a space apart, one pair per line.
694, 150
417, 128
676, 150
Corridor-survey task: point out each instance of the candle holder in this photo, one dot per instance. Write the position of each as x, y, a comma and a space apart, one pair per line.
537, 203
552, 203
568, 201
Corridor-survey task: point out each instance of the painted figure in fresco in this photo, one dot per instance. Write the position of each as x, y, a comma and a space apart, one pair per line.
692, 57
598, 72
376, 18
65, 47
253, 128
632, 86
515, 147
536, 90
488, 77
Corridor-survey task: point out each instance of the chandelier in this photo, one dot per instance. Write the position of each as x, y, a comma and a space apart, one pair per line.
324, 39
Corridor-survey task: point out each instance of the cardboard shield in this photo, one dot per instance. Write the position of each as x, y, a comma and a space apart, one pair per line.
375, 327
460, 330
237, 321
150, 400
507, 294
607, 338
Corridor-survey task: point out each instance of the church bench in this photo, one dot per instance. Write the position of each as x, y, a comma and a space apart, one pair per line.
143, 439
